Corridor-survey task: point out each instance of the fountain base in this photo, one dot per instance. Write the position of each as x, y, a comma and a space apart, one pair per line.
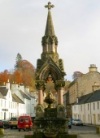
60, 135
52, 124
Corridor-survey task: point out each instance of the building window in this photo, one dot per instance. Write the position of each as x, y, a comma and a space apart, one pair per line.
12, 105
93, 106
81, 107
97, 105
9, 105
75, 116
99, 117
88, 118
74, 107
1, 103
1, 115
84, 118
88, 106
9, 115
9, 94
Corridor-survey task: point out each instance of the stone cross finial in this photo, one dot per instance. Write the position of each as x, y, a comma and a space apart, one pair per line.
49, 6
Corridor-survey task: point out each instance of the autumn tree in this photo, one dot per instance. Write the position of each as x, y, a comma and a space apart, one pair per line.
16, 77
4, 76
18, 59
24, 73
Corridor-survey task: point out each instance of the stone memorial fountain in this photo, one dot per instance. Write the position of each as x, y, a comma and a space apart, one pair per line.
50, 120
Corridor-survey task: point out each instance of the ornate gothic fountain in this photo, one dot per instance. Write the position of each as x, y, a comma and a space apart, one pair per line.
50, 112
50, 121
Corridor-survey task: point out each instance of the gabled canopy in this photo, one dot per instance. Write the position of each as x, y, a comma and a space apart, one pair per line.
49, 67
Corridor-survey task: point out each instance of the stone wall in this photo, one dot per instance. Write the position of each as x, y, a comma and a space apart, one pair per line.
85, 84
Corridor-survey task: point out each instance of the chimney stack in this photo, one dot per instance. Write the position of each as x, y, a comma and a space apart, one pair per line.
92, 68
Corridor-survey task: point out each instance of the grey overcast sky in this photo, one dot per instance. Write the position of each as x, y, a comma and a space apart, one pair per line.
76, 23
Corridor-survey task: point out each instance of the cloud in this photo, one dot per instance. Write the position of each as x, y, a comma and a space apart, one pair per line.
76, 23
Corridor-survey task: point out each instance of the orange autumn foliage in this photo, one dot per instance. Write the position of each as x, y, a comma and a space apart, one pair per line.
16, 77
4, 76
23, 74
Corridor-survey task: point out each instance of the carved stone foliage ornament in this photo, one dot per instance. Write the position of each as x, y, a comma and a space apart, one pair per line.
40, 85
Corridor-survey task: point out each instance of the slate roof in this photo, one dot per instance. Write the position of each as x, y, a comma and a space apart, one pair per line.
3, 91
91, 97
95, 96
29, 94
84, 99
15, 98
25, 95
1, 96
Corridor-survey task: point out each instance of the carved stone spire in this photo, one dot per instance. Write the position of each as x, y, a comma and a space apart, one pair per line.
49, 37
49, 31
49, 64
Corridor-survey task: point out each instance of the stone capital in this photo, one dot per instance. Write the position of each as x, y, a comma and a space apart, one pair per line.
59, 84
40, 85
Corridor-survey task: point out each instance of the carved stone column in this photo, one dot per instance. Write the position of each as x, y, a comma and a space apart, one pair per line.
40, 87
59, 85
60, 95
40, 96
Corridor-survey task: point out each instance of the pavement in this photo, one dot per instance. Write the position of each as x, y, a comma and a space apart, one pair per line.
78, 136
85, 134
15, 134
88, 136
